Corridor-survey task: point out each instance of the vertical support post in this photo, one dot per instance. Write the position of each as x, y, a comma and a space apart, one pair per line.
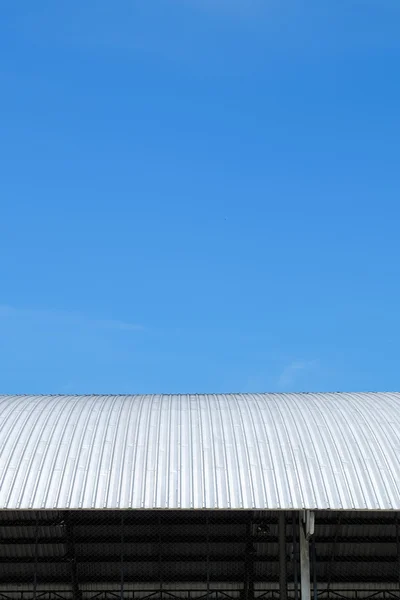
36, 556
306, 531
398, 548
160, 569
208, 555
282, 556
249, 563
295, 570
122, 555
72, 556
304, 565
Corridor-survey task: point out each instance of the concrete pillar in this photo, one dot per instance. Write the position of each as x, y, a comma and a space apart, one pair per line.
304, 565
306, 531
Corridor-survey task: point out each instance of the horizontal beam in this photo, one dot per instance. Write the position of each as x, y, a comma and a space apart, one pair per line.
370, 590
184, 558
97, 518
173, 517
237, 578
194, 539
98, 594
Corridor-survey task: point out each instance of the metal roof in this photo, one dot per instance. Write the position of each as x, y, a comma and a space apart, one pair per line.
236, 451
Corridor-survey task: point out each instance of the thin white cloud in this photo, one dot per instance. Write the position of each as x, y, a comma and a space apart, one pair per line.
292, 371
65, 318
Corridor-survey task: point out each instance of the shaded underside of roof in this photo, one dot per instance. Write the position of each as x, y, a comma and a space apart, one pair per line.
236, 451
182, 550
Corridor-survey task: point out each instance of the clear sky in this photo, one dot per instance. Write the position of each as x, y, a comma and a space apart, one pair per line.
199, 195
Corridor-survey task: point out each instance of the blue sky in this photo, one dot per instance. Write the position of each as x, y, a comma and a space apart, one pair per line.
199, 196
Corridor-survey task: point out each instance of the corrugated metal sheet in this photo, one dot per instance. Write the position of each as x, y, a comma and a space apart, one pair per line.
254, 451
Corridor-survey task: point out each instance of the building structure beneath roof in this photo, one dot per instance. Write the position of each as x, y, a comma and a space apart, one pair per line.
238, 496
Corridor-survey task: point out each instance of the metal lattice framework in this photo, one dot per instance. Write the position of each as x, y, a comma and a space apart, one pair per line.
192, 555
340, 594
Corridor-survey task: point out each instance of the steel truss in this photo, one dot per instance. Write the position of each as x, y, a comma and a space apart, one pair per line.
302, 564
216, 594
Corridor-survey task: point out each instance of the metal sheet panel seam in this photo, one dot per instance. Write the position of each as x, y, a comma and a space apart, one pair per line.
327, 451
